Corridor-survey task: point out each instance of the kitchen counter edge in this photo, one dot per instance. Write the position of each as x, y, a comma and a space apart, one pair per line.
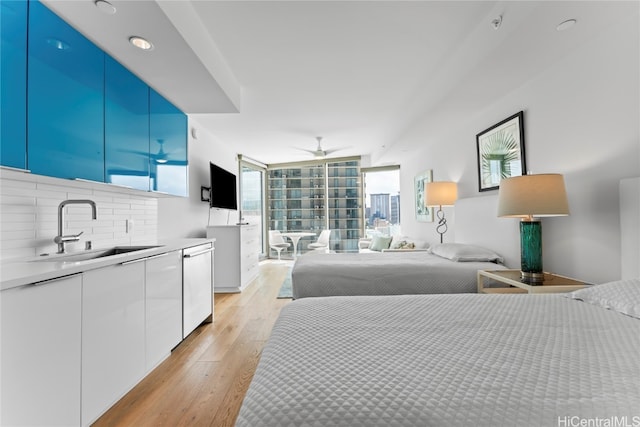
20, 272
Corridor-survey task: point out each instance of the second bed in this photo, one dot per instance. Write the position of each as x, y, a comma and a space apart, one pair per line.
391, 273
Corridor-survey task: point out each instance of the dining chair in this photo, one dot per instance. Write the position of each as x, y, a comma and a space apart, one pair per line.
323, 241
276, 242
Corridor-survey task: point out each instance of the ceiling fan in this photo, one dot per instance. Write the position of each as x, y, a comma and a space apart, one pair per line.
161, 157
319, 153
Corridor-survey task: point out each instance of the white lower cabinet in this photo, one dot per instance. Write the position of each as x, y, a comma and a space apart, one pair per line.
236, 261
40, 353
113, 335
73, 346
163, 299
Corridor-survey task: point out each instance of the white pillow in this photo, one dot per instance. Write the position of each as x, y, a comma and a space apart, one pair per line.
461, 252
622, 296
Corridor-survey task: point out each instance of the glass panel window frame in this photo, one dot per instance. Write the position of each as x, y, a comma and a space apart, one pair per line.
317, 195
253, 195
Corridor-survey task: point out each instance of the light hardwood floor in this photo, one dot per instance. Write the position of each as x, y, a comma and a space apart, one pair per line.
203, 381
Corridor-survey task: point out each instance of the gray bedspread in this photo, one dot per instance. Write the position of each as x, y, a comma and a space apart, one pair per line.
446, 360
389, 273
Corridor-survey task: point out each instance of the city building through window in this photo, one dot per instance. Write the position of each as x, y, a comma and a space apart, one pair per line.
314, 196
382, 201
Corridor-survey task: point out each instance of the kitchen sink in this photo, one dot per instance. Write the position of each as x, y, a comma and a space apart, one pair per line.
94, 254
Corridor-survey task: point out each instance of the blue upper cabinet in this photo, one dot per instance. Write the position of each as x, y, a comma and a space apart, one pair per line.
65, 99
168, 146
13, 90
69, 110
126, 130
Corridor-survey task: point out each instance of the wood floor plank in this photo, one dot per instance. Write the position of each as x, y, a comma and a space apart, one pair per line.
203, 381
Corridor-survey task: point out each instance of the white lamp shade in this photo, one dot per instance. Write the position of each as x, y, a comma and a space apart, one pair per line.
441, 193
533, 195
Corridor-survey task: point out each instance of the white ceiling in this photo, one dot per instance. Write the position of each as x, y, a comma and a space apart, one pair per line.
267, 77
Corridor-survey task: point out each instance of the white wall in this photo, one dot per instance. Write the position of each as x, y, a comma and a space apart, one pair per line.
581, 119
189, 217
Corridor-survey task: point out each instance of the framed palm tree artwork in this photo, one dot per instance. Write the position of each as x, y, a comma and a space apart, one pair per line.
501, 152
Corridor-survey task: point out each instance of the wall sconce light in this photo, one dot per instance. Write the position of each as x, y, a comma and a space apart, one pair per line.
441, 194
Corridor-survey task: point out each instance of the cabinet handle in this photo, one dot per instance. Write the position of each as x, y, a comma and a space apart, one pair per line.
195, 254
133, 261
55, 279
157, 256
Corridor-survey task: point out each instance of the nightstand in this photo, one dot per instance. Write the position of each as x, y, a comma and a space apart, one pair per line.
514, 285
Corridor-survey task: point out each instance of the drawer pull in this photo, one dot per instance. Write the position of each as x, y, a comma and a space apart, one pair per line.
55, 279
133, 261
195, 254
157, 256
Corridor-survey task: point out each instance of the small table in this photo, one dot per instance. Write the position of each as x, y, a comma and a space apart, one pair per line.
551, 283
295, 237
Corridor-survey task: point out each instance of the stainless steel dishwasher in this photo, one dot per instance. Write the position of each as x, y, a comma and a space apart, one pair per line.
197, 288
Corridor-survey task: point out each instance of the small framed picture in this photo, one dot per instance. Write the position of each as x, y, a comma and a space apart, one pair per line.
423, 213
501, 152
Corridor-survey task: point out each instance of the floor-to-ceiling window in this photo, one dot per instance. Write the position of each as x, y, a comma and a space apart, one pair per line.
345, 204
313, 196
382, 200
252, 178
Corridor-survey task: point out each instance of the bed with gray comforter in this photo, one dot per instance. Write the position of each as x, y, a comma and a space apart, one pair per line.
454, 360
389, 273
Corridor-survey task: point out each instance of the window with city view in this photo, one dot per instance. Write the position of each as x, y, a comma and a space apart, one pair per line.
382, 201
318, 196
251, 195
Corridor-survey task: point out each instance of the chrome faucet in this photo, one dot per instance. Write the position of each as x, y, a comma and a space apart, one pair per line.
61, 239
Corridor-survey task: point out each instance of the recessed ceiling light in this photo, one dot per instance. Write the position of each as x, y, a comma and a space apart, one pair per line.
140, 43
565, 25
105, 7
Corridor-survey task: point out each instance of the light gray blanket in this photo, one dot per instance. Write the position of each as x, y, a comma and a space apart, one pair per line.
388, 273
446, 360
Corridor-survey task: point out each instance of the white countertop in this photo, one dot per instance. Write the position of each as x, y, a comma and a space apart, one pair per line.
19, 272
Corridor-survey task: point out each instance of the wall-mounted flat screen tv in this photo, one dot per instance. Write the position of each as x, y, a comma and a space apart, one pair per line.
223, 188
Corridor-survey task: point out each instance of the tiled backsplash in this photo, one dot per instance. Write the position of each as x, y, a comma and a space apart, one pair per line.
29, 215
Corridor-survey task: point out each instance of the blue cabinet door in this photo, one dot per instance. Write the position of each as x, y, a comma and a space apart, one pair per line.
65, 108
168, 146
126, 128
13, 89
